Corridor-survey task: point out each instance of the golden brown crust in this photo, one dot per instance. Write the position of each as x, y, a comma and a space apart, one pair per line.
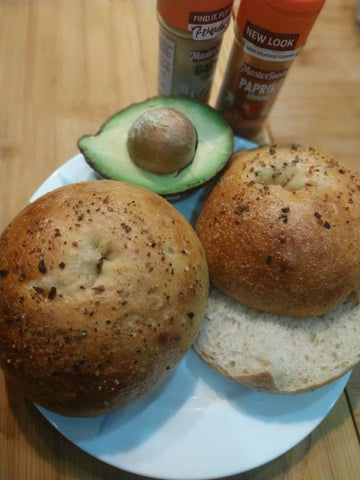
281, 231
264, 381
104, 287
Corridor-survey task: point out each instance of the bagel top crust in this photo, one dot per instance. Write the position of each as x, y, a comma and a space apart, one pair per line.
281, 231
103, 289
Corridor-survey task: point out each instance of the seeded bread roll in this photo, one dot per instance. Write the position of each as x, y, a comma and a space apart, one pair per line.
281, 235
103, 289
281, 231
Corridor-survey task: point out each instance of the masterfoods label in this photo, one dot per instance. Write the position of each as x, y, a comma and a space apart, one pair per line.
208, 25
257, 84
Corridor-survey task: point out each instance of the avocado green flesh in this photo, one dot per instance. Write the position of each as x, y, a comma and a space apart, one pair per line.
107, 151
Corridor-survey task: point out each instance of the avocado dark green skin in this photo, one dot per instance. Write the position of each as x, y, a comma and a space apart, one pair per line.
106, 151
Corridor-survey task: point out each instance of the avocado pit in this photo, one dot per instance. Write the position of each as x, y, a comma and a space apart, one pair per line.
204, 143
162, 141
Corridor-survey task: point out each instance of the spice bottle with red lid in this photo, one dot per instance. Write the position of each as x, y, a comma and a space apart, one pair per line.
191, 33
268, 36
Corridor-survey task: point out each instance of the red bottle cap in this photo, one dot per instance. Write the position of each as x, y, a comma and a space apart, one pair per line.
280, 16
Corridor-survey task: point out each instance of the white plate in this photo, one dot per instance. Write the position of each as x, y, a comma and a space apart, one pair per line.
197, 425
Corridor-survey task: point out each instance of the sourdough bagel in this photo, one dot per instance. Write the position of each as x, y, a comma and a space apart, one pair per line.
281, 231
103, 289
278, 354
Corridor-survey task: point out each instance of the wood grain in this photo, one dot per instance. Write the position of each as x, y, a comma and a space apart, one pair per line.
320, 100
65, 66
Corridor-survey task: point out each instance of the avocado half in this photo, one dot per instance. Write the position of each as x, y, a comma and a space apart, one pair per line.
107, 151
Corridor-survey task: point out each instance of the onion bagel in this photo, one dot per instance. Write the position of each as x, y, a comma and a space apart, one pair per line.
103, 289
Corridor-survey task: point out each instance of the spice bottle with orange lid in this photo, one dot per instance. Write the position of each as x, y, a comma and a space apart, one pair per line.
268, 36
191, 33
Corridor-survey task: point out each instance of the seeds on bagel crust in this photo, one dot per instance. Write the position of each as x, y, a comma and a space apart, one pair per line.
301, 219
99, 313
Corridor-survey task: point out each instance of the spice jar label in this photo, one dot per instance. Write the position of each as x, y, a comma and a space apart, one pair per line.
208, 25
267, 45
166, 64
204, 19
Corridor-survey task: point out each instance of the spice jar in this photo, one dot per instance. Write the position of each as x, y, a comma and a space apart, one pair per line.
268, 36
191, 32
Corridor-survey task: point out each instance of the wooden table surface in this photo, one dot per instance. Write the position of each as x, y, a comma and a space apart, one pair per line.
65, 66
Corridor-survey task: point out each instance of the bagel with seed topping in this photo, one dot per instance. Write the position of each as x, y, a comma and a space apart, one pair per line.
103, 289
281, 234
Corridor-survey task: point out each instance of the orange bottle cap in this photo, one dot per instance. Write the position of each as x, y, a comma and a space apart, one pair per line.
187, 14
281, 16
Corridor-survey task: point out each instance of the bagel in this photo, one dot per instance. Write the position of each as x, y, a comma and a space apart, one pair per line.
103, 289
280, 231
